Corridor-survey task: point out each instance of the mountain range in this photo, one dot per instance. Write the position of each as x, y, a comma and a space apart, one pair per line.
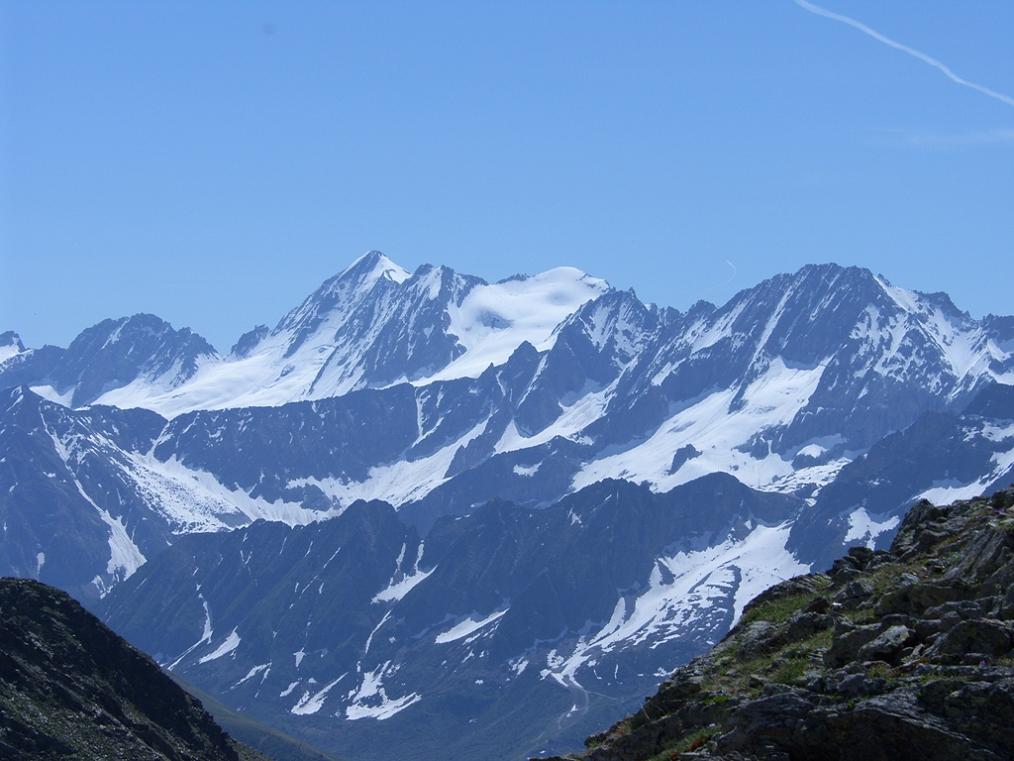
427, 506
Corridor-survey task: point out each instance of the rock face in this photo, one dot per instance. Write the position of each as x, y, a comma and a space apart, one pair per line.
899, 654
71, 688
113, 354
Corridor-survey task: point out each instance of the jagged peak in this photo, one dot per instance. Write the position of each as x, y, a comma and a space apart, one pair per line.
246, 342
700, 308
815, 278
360, 277
614, 311
842, 294
10, 345
837, 276
342, 292
374, 265
108, 332
439, 282
921, 303
22, 397
10, 338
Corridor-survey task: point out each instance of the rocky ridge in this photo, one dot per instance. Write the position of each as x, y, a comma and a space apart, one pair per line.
71, 688
898, 654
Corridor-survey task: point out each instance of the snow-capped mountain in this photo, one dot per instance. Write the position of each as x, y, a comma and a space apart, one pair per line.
382, 644
374, 325
526, 390
471, 450
142, 350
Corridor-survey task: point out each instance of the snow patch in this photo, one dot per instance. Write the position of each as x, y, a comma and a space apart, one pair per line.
265, 667
370, 700
52, 395
230, 643
398, 482
396, 590
720, 432
864, 528
681, 591
310, 703
466, 627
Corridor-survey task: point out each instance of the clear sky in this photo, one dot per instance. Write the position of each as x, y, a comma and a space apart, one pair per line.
213, 162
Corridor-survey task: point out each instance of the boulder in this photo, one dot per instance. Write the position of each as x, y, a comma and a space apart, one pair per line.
887, 645
846, 644
803, 624
757, 638
982, 635
854, 593
915, 598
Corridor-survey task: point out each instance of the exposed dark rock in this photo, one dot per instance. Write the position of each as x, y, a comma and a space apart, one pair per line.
683, 455
887, 645
757, 638
71, 688
986, 636
854, 592
847, 643
806, 623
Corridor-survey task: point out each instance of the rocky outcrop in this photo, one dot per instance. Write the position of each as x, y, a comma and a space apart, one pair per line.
71, 688
899, 654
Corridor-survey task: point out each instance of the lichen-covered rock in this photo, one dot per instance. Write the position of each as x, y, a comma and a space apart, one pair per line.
888, 645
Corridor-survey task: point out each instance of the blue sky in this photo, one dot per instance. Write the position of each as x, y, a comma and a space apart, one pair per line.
212, 163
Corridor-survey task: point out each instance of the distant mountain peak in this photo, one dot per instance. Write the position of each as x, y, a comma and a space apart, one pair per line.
374, 265
10, 345
342, 292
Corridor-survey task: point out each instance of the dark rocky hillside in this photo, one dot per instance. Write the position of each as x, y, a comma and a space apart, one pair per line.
71, 689
899, 654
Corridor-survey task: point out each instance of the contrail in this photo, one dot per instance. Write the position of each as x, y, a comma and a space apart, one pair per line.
733, 275
943, 68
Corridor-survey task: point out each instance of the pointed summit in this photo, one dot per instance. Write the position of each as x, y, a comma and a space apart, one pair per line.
372, 266
339, 295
